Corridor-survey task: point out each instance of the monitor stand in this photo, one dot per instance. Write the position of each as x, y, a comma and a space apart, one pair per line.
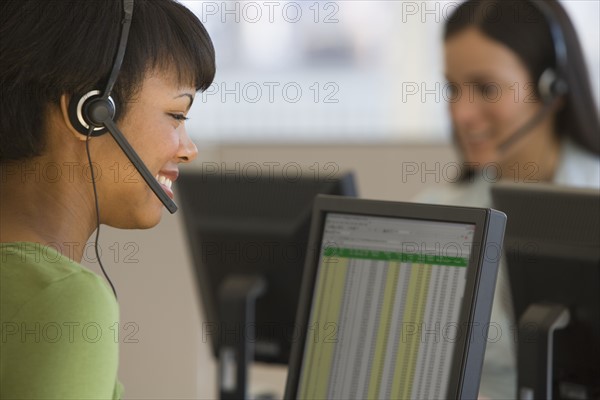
536, 340
237, 300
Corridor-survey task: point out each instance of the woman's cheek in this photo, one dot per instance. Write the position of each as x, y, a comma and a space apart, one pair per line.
165, 138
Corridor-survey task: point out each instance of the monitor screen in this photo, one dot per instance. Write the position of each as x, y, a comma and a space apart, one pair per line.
258, 227
387, 290
395, 300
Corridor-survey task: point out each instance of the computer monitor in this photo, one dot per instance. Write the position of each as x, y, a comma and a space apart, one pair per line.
396, 301
553, 258
248, 238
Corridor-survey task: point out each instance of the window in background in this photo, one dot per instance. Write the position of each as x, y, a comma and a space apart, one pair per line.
327, 71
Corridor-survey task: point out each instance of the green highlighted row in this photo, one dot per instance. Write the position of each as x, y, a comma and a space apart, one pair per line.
380, 255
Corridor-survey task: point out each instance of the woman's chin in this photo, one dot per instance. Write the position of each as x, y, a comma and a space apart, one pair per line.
149, 213
144, 216
149, 223
481, 158
139, 220
151, 217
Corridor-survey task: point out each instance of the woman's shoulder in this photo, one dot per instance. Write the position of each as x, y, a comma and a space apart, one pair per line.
578, 167
38, 279
60, 327
470, 194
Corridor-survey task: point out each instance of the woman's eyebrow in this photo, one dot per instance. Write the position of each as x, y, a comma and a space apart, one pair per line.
189, 96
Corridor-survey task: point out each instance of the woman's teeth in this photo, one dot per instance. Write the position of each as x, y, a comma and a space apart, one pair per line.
163, 180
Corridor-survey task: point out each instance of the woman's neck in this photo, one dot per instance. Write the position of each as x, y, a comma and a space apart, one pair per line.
37, 208
533, 164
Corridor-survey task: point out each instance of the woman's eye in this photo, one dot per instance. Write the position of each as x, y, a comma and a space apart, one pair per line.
452, 88
489, 90
179, 117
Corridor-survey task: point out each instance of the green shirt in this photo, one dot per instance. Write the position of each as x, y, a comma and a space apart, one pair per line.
59, 333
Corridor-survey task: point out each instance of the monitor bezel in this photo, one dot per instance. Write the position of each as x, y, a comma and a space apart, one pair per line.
478, 217
524, 264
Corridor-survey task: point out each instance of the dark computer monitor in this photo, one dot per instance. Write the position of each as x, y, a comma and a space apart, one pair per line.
552, 249
396, 301
248, 239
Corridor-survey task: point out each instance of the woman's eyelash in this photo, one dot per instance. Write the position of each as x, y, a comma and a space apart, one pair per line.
179, 117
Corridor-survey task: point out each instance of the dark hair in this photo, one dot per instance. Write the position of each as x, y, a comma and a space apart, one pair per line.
51, 48
521, 26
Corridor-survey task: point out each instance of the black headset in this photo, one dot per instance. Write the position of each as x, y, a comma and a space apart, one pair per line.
93, 113
89, 111
552, 84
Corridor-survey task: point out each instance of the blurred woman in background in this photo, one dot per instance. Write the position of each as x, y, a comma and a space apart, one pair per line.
522, 110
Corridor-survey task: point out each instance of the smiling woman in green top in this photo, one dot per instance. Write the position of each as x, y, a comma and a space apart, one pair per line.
58, 319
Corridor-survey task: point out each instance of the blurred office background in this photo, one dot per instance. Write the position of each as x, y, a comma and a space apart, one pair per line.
327, 85
321, 71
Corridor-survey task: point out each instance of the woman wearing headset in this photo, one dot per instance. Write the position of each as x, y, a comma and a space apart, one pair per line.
520, 112
59, 338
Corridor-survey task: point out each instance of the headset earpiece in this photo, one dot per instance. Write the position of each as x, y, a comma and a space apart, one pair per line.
553, 81
550, 86
90, 110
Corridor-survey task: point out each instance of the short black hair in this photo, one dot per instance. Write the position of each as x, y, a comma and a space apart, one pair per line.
53, 47
521, 26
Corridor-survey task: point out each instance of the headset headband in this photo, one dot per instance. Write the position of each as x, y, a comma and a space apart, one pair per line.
128, 13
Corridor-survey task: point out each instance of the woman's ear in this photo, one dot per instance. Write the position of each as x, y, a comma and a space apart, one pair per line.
64, 109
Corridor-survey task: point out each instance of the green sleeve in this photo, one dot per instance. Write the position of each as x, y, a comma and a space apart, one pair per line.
62, 343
